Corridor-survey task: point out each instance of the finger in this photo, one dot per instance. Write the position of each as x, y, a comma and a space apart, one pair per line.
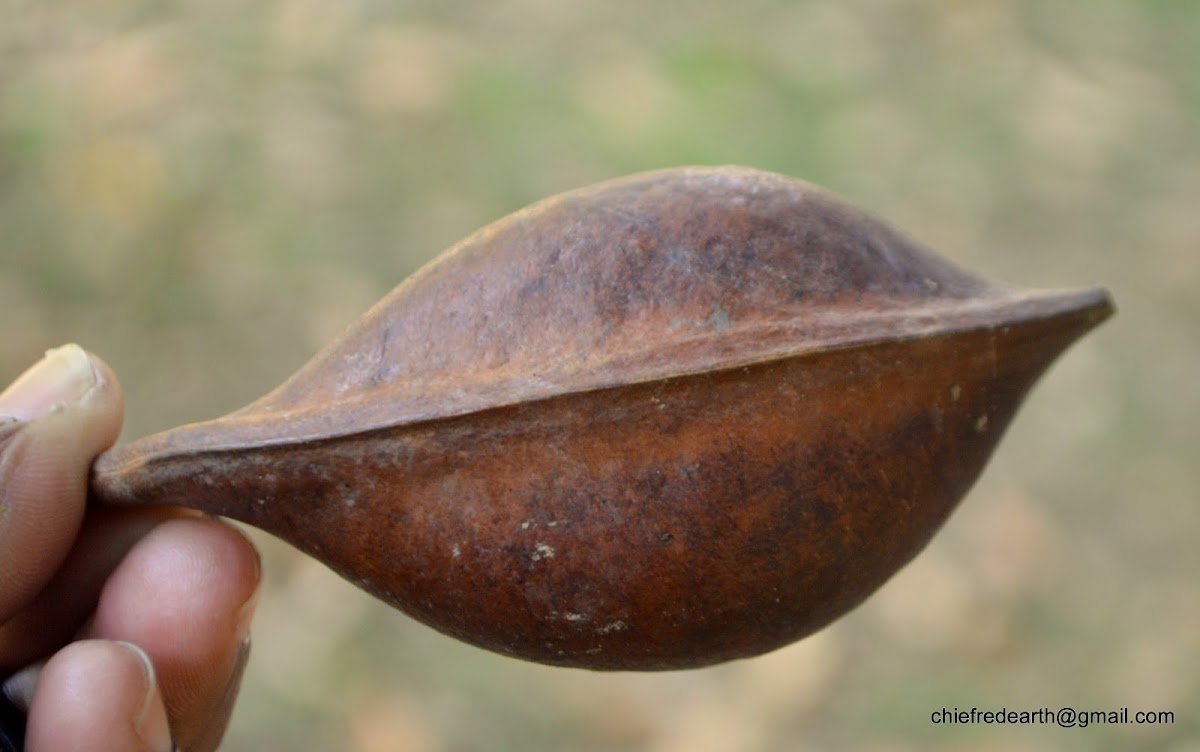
98, 695
56, 417
185, 594
58, 611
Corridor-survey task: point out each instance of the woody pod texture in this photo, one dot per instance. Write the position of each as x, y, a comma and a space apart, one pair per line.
675, 419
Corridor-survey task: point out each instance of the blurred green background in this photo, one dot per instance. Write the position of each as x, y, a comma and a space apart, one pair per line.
205, 192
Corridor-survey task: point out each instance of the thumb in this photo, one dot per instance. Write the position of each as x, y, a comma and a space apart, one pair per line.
54, 419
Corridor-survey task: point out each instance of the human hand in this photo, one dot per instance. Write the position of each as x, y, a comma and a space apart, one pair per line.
126, 628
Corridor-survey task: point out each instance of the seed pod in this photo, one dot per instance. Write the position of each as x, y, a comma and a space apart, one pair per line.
662, 422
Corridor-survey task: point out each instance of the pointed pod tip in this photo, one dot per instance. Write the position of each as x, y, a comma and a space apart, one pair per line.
1050, 321
1096, 301
1090, 306
1086, 307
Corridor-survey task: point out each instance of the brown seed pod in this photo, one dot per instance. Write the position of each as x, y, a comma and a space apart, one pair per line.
670, 420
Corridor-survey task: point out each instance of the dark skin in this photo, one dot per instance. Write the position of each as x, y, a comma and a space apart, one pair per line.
125, 629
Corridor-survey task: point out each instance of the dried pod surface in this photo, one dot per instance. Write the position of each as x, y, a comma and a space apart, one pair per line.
675, 419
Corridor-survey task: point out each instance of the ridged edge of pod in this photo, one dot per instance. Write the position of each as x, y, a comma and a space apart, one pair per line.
735, 348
